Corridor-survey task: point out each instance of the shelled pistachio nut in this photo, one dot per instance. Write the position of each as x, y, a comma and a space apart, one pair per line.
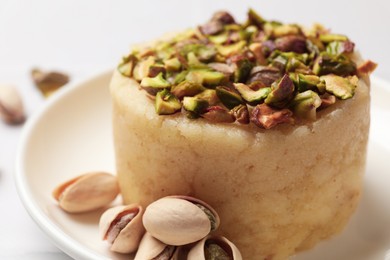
122, 227
87, 192
11, 105
214, 247
180, 220
152, 248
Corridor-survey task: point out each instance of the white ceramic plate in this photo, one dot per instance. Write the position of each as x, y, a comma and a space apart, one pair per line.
72, 134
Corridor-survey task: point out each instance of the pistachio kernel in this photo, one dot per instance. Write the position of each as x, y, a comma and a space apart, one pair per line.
342, 88
306, 103
214, 251
229, 97
166, 103
218, 114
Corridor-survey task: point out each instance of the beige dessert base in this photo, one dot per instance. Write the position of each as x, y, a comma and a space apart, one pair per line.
277, 192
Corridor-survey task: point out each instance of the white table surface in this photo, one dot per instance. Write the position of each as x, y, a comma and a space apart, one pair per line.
86, 37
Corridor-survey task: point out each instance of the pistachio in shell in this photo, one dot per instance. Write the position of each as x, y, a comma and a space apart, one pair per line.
151, 248
87, 192
214, 247
11, 105
179, 220
122, 227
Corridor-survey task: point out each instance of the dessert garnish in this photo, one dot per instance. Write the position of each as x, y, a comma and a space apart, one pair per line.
226, 71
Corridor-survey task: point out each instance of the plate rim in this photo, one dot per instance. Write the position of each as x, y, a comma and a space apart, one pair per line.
61, 239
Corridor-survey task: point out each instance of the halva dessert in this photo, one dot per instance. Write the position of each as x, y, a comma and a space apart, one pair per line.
266, 122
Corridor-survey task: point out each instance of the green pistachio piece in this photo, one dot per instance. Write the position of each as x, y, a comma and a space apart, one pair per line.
172, 64
166, 103
186, 88
254, 18
285, 29
305, 104
228, 97
156, 69
204, 76
228, 50
248, 33
335, 48
202, 52
326, 38
195, 105
180, 77
342, 88
241, 114
192, 59
280, 62
155, 82
330, 64
295, 64
253, 97
210, 95
215, 252
218, 114
141, 70
281, 92
243, 70
304, 82
219, 38
127, 65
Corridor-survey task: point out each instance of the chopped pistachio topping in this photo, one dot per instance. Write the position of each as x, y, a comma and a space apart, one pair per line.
261, 72
166, 103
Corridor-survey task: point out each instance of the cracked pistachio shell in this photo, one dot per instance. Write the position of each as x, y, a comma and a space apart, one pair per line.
122, 227
152, 248
11, 105
87, 192
179, 220
214, 247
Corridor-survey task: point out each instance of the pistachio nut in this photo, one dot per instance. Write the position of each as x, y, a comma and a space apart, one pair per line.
218, 114
342, 88
151, 248
166, 103
122, 227
87, 192
11, 105
50, 81
180, 220
214, 247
